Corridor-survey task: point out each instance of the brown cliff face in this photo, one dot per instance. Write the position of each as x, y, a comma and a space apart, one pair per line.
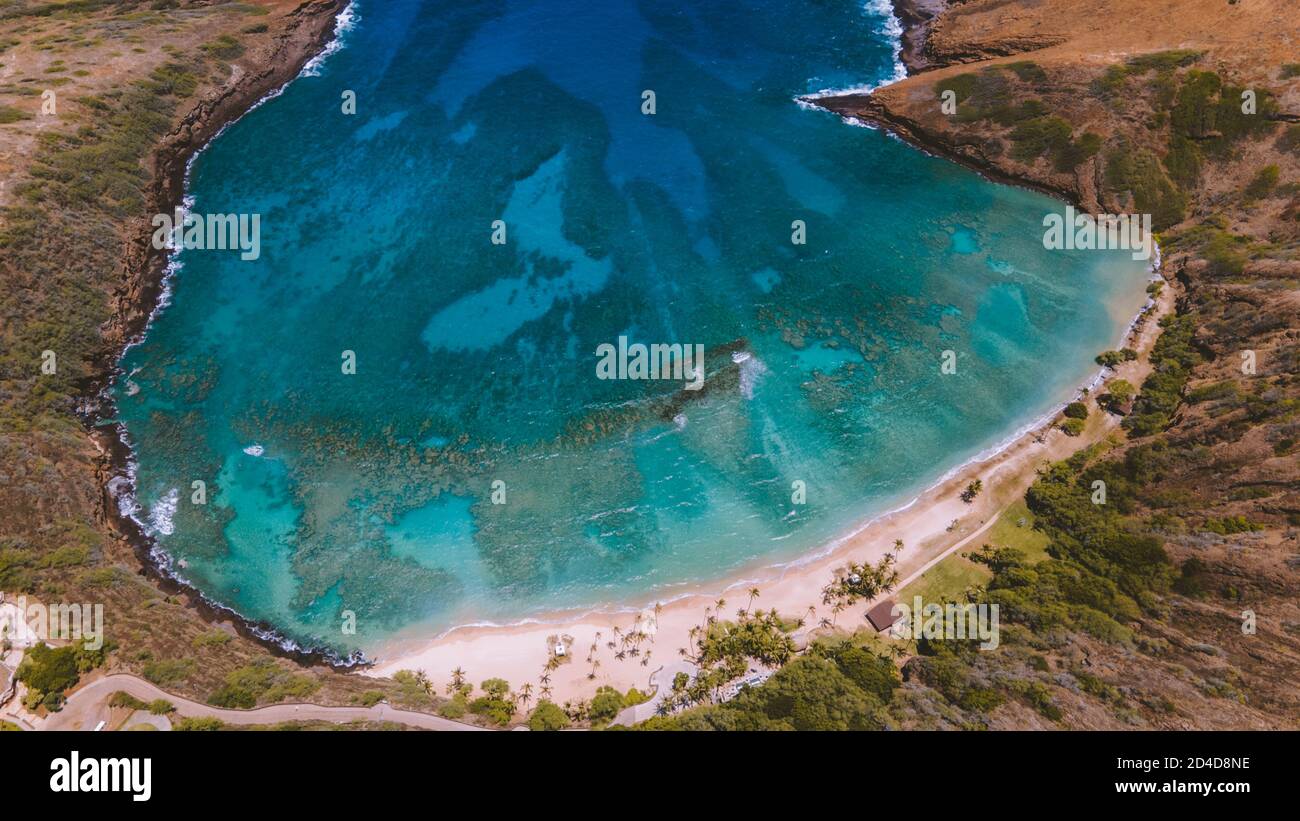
1119, 108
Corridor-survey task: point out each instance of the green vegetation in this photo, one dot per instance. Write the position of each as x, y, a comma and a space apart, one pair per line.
9, 114
224, 47
414, 690
50, 671
211, 638
946, 581
198, 725
862, 581
839, 687
1076, 410
1027, 71
605, 705
1110, 359
161, 707
972, 490
1072, 426
1172, 360
1119, 392
1114, 80
1035, 133
1015, 528
262, 680
1289, 140
1226, 253
123, 699
723, 651
1229, 525
166, 672
1263, 183
546, 716
494, 705
1140, 173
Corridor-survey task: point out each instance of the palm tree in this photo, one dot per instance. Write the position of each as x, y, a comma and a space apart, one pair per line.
753, 594
457, 681
422, 679
525, 694
898, 546
825, 622
595, 665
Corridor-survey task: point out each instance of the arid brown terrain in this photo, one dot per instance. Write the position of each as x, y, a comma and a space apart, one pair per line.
101, 105
1187, 110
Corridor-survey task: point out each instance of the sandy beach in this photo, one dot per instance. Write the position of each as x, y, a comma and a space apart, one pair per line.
519, 653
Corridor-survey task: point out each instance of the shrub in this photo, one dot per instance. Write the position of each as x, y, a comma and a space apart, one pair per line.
1172, 359
198, 724
211, 638
1076, 410
1110, 359
1027, 71
165, 672
1140, 174
224, 47
605, 705
1072, 426
495, 710
546, 716
262, 680
1263, 183
9, 114
48, 671
1118, 394
124, 699
1289, 140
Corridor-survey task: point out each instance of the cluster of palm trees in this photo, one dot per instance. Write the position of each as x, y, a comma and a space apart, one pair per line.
722, 650
863, 581
460, 684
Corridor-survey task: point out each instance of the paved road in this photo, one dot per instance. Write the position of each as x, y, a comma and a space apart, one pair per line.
87, 706
662, 682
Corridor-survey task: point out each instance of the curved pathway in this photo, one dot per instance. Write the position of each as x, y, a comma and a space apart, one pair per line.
88, 705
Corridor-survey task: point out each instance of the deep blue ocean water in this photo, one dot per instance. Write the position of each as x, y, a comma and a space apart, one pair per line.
373, 492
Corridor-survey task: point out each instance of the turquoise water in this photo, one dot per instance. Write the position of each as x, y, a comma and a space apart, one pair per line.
373, 492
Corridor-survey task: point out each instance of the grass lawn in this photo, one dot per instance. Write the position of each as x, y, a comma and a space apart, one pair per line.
1006, 532
948, 578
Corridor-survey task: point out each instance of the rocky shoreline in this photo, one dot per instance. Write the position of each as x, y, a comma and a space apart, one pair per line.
870, 110
306, 32
916, 18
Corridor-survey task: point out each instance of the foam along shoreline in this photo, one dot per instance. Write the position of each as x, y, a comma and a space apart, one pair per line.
518, 652
311, 32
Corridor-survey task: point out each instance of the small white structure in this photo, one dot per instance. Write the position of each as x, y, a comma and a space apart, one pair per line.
560, 649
